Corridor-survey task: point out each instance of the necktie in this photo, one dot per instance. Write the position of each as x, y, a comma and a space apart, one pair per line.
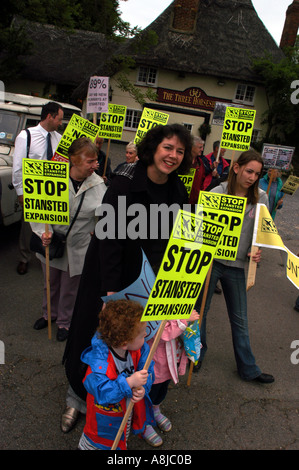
49, 147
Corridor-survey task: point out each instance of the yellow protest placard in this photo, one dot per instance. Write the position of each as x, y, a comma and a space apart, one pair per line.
188, 180
228, 210
184, 267
112, 123
76, 128
290, 185
149, 118
46, 191
237, 128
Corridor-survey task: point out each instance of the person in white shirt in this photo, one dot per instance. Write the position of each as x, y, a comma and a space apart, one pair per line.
51, 119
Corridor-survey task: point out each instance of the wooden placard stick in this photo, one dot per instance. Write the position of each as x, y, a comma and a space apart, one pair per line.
252, 264
202, 307
48, 284
146, 366
270, 182
232, 159
251, 269
106, 160
277, 204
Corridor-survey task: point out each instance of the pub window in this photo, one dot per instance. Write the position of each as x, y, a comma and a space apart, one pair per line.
147, 76
188, 126
132, 119
245, 93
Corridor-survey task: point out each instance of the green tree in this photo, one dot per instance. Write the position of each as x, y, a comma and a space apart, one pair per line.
101, 16
282, 116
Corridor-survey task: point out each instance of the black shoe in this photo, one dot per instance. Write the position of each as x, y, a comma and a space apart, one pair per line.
265, 379
41, 323
22, 268
62, 334
296, 308
217, 290
197, 366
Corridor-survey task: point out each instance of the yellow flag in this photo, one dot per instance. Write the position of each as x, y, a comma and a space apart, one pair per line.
265, 231
265, 234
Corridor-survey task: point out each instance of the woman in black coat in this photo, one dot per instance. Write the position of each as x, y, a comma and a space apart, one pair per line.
114, 257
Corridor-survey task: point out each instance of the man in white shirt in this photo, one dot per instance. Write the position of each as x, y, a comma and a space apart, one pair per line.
51, 119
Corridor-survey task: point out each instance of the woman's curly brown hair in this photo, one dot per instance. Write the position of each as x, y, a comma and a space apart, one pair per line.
119, 322
147, 147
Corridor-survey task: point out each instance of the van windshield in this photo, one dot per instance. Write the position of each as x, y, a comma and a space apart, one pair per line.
9, 126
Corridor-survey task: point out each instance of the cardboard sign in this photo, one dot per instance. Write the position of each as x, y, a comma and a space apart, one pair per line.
76, 128
219, 112
184, 267
112, 123
188, 180
291, 185
228, 210
277, 156
237, 128
149, 118
46, 191
97, 96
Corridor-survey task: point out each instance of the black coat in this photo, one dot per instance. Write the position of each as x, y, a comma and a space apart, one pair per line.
113, 264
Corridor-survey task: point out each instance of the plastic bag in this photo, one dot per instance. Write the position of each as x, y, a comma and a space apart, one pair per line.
191, 340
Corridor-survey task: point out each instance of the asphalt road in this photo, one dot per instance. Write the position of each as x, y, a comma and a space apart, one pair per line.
217, 411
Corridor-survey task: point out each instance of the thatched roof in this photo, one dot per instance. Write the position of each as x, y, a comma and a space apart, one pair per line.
62, 56
227, 34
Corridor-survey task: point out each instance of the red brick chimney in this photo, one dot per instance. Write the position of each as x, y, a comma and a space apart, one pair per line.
290, 29
184, 15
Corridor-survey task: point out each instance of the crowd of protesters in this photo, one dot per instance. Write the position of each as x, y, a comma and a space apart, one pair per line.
105, 351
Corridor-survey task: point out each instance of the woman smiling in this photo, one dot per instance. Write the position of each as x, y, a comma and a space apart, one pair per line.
112, 264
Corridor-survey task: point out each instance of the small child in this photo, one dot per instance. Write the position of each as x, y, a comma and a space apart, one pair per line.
170, 361
115, 375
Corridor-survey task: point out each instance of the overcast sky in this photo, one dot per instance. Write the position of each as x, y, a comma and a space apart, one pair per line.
142, 12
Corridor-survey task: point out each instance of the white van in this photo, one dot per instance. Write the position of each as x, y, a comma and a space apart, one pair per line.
18, 112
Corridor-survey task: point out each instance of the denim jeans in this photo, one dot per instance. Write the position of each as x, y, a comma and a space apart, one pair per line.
234, 289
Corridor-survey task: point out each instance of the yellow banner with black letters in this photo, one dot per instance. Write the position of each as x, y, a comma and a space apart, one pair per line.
46, 191
184, 267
